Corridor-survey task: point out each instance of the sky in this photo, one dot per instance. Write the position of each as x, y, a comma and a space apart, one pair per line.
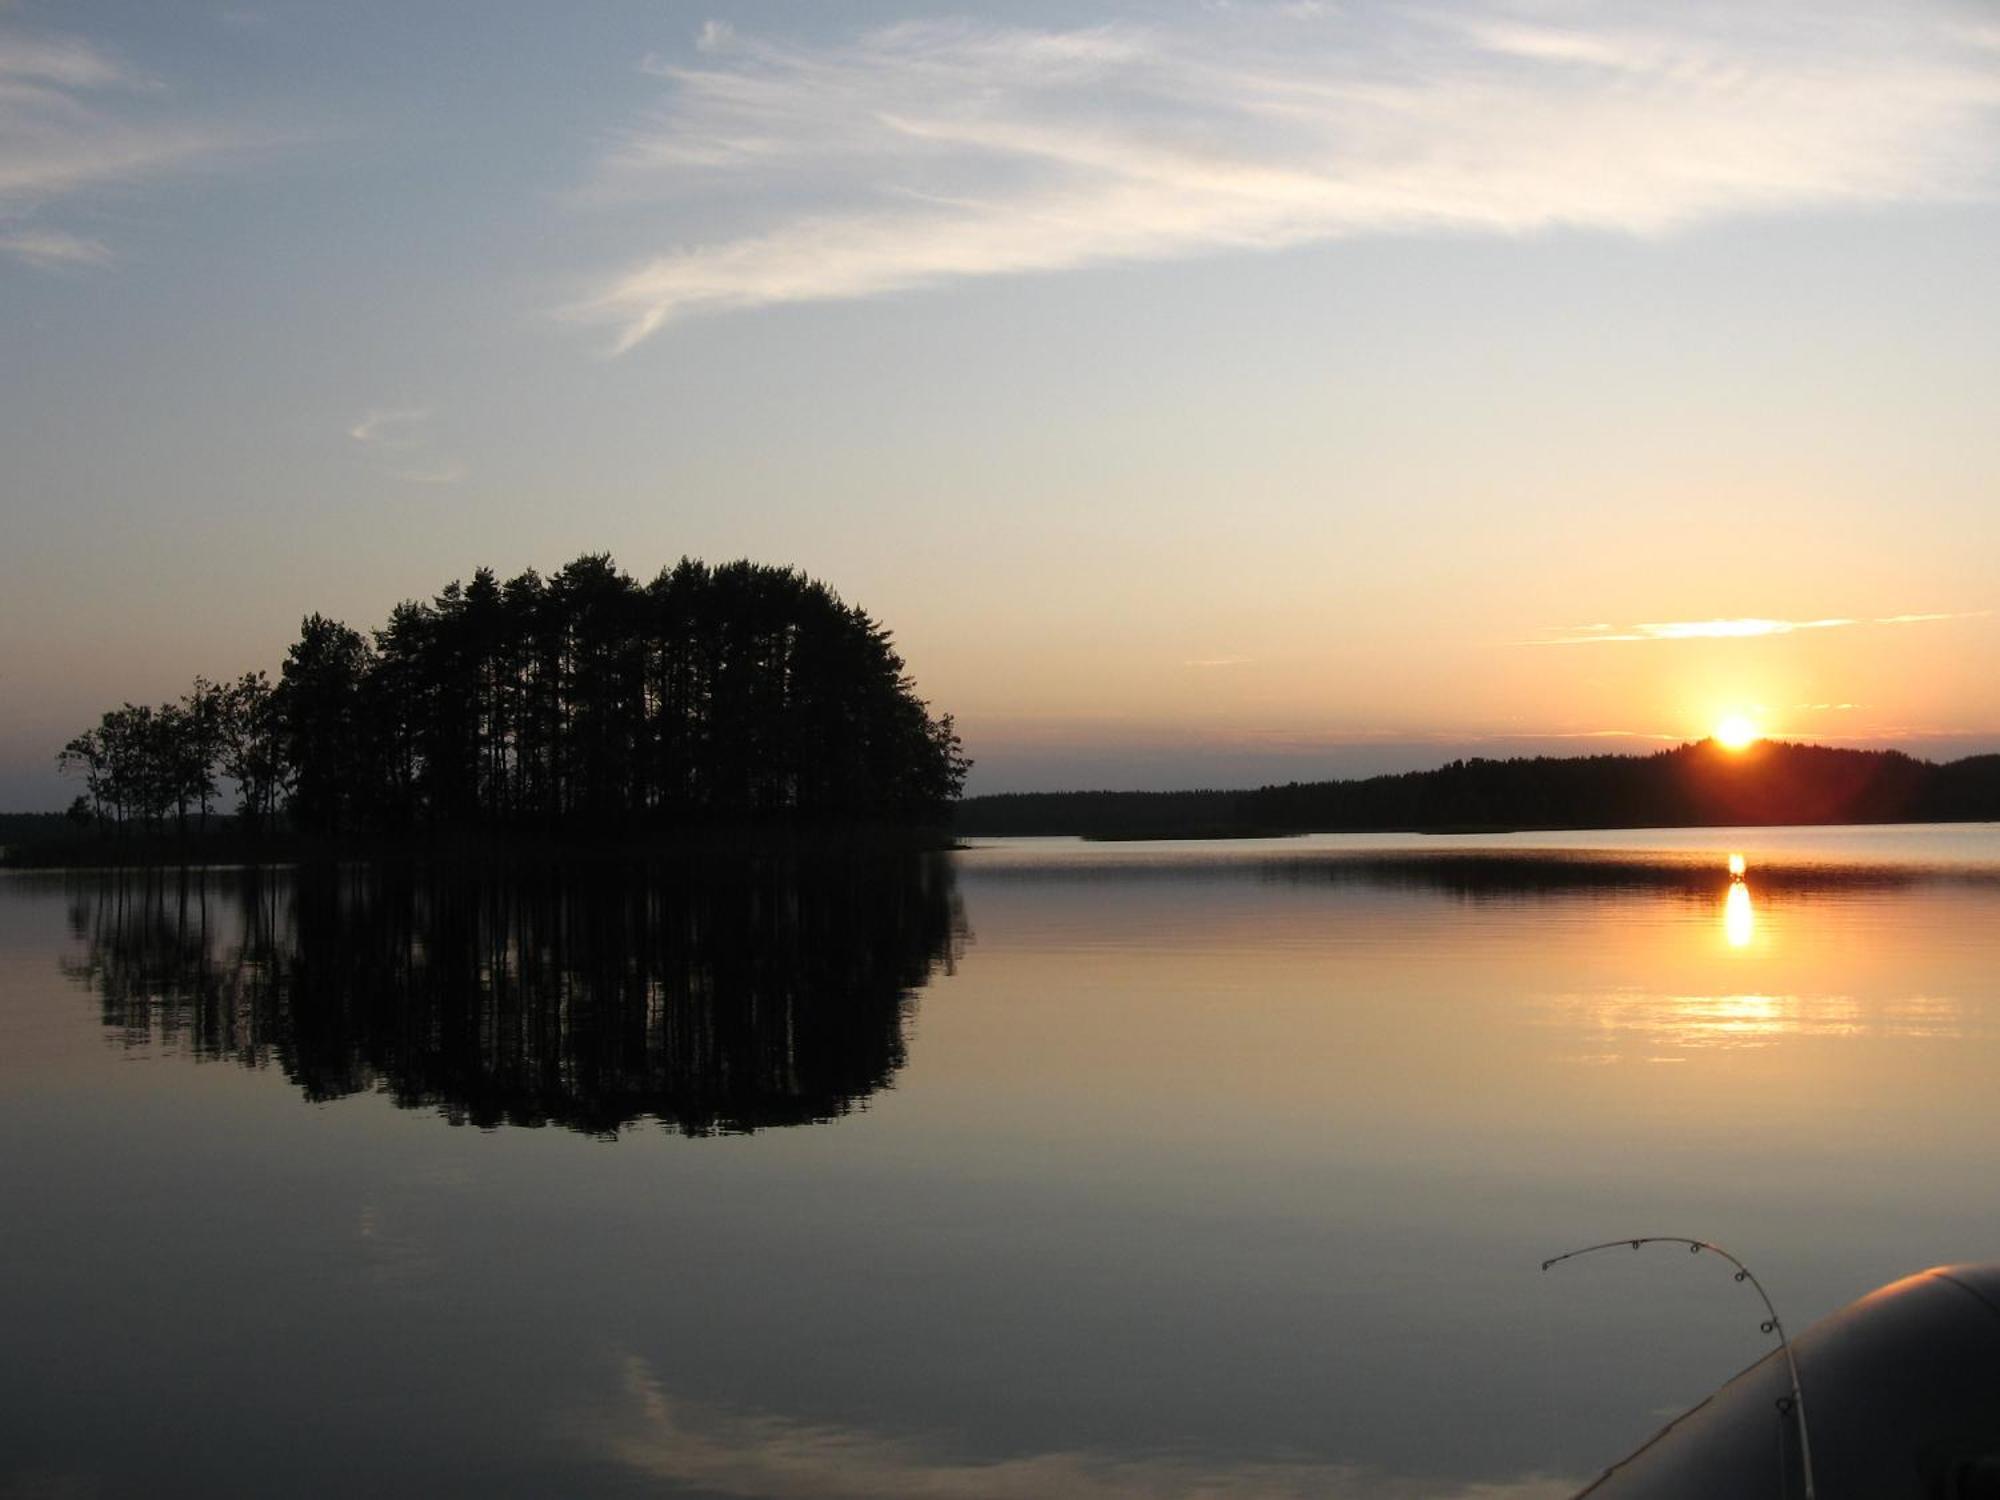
1206, 392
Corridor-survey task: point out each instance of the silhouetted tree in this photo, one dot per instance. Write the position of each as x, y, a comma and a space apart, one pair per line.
320, 706
201, 732
90, 753
253, 749
139, 779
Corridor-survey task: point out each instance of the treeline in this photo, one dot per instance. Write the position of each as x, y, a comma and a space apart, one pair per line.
1696, 785
713, 696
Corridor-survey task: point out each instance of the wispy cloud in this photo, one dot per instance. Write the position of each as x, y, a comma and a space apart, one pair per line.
56, 62
73, 118
928, 152
1217, 661
404, 432
53, 248
775, 1458
391, 427
1740, 628
1963, 614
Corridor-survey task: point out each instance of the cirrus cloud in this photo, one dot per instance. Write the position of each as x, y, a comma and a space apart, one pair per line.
929, 152
53, 247
406, 432
72, 118
1746, 627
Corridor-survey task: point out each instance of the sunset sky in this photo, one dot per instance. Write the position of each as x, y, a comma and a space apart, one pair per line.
1205, 392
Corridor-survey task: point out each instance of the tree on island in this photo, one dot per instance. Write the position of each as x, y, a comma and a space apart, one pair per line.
711, 696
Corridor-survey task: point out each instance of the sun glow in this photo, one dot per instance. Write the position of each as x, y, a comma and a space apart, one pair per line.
1736, 733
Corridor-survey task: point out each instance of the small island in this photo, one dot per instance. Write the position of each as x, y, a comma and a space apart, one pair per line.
581, 709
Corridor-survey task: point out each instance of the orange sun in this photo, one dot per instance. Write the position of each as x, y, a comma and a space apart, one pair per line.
1736, 733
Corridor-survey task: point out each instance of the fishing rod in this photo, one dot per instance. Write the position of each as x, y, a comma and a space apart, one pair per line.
1795, 1404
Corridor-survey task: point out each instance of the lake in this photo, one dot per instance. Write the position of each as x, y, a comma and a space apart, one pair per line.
1043, 1168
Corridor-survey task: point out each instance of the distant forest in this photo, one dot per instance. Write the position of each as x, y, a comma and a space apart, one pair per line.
712, 696
1696, 785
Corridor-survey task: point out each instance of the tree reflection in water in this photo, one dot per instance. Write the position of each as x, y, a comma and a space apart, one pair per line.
717, 996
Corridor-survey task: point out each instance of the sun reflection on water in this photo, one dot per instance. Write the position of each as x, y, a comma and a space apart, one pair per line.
1753, 1020
1668, 1024
1653, 1027
1739, 919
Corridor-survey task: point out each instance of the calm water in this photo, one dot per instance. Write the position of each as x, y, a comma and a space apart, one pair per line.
1042, 1169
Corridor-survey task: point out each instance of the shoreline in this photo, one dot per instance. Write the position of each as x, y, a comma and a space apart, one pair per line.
168, 851
1469, 830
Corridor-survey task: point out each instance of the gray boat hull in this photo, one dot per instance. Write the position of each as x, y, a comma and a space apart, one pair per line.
1902, 1397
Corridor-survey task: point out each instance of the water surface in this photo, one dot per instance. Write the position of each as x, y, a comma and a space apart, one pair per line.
1047, 1168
